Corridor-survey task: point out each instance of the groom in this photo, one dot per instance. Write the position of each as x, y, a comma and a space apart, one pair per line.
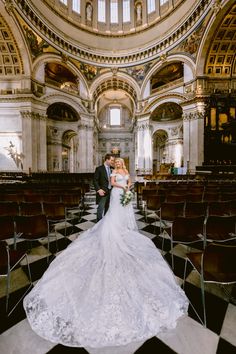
102, 185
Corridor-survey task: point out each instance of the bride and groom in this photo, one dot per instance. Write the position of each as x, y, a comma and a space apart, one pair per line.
111, 286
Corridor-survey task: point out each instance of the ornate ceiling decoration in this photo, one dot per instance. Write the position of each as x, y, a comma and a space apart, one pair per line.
127, 51
221, 59
10, 59
115, 84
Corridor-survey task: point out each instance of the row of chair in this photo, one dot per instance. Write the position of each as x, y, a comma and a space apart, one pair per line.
30, 228
215, 261
154, 207
39, 197
30, 222
33, 208
191, 197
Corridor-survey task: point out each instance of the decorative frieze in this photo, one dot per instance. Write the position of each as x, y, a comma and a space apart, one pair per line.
33, 115
193, 116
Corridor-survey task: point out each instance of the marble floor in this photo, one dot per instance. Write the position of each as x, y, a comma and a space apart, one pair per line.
189, 337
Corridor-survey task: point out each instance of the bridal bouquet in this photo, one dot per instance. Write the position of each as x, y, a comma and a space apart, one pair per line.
126, 198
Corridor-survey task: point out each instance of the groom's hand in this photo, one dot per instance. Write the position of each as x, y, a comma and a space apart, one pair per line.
101, 192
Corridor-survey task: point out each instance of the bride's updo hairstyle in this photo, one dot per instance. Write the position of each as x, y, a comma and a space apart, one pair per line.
122, 162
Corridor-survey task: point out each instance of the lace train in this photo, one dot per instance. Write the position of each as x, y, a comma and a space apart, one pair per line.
110, 287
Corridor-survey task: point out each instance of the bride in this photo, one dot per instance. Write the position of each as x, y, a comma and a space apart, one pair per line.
110, 287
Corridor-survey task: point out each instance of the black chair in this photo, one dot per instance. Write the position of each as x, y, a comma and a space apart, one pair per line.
30, 208
194, 209
221, 208
9, 260
31, 228
56, 215
220, 229
9, 208
216, 264
168, 212
187, 231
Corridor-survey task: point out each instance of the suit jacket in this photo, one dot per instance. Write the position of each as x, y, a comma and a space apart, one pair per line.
101, 180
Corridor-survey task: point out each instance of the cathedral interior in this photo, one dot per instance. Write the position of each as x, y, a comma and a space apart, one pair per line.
151, 81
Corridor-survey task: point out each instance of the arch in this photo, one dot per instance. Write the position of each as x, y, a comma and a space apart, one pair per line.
162, 63
120, 77
167, 97
69, 151
71, 101
39, 65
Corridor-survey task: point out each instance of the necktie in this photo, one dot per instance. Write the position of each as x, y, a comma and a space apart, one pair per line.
108, 174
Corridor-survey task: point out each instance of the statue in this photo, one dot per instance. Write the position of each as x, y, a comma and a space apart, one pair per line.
139, 12
89, 12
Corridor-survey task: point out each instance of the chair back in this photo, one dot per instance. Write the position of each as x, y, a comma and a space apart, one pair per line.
9, 208
193, 209
220, 228
218, 263
154, 202
7, 227
32, 226
169, 211
221, 208
71, 200
31, 208
54, 211
4, 259
188, 229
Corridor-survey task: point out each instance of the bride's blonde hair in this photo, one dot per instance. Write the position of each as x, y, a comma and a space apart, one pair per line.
122, 162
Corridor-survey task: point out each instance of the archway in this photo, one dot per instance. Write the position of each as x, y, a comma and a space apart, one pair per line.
159, 139
69, 151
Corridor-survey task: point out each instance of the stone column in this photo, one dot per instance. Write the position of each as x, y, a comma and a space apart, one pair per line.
34, 141
85, 151
143, 147
193, 138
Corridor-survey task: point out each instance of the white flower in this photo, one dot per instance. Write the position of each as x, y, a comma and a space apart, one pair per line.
126, 198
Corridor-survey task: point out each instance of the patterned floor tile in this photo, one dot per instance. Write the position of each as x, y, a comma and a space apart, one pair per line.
188, 337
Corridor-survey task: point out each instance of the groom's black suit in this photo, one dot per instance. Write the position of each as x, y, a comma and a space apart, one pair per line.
101, 181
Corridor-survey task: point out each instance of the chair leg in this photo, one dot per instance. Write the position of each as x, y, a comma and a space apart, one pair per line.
8, 290
30, 278
185, 269
29, 271
203, 300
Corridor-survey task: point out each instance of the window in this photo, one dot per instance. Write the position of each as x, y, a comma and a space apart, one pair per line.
101, 10
151, 6
76, 6
114, 11
162, 2
115, 116
126, 10
64, 2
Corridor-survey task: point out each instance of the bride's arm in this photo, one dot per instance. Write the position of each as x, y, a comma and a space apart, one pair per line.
114, 183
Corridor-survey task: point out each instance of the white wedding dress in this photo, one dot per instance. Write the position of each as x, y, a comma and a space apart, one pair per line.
110, 287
